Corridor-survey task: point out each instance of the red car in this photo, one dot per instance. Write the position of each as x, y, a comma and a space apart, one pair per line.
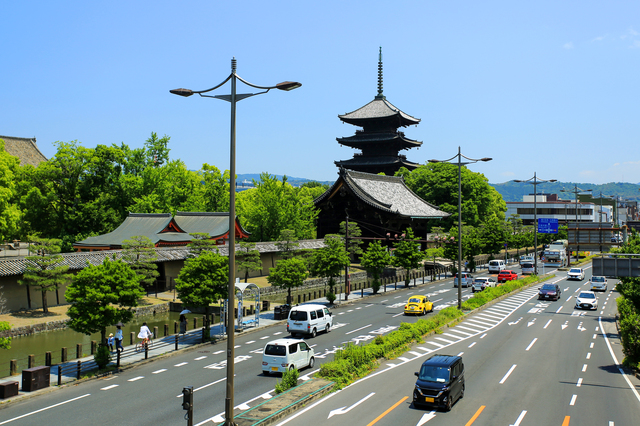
507, 275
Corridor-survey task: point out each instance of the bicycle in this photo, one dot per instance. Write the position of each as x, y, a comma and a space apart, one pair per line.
140, 344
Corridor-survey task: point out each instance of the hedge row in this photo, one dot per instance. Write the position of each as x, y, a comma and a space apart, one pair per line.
353, 362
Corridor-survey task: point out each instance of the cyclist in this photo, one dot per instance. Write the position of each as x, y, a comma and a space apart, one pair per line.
145, 334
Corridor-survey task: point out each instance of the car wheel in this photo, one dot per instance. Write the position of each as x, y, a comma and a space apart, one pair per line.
292, 367
424, 311
461, 393
314, 333
448, 405
327, 328
293, 334
265, 372
312, 362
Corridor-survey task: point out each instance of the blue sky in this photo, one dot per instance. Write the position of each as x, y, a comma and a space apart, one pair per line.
547, 86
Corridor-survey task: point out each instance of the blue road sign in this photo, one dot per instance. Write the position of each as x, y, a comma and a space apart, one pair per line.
547, 226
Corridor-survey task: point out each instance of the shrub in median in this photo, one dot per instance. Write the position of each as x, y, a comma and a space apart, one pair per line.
289, 380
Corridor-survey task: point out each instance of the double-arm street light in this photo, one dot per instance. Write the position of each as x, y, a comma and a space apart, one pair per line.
460, 164
534, 181
576, 191
233, 98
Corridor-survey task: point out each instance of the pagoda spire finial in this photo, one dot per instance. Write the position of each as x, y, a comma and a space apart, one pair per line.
380, 95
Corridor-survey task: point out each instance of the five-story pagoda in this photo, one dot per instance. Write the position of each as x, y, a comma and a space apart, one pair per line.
379, 140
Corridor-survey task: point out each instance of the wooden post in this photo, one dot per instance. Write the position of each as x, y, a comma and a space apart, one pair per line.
166, 330
94, 347
78, 350
175, 327
132, 338
13, 367
79, 369
155, 332
32, 361
195, 322
63, 355
47, 358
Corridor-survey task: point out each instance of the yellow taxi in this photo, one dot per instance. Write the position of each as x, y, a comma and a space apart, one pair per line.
418, 305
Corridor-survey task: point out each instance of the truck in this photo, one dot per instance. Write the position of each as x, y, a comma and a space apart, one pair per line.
555, 257
559, 244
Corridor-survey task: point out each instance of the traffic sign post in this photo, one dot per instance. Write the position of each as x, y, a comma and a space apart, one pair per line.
547, 226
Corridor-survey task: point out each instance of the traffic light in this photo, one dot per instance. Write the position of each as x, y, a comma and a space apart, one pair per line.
187, 397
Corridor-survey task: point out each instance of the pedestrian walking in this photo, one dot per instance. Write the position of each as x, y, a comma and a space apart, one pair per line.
110, 341
119, 338
183, 324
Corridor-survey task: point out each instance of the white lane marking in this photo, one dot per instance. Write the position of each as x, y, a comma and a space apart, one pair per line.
601, 312
206, 386
558, 311
217, 352
264, 337
437, 300
135, 379
109, 387
358, 329
469, 329
547, 324
591, 345
181, 364
506, 376
597, 328
531, 344
346, 409
483, 336
453, 330
243, 407
445, 340
480, 324
473, 344
159, 371
492, 317
425, 349
613, 356
520, 417
250, 342
199, 358
436, 344
588, 355
397, 315
579, 382
460, 354
584, 368
45, 408
594, 336
573, 400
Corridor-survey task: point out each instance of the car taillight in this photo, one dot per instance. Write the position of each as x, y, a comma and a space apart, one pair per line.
264, 363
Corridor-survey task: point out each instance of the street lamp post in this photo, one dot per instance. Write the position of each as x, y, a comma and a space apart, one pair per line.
460, 164
534, 181
576, 191
233, 98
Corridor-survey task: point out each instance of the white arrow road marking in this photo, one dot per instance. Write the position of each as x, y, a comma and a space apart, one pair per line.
520, 417
530, 323
426, 417
344, 409
565, 325
515, 322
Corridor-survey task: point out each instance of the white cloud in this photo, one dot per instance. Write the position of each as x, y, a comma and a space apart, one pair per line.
568, 45
599, 38
633, 32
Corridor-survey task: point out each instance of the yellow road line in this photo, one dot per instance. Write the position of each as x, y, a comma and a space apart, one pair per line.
388, 411
475, 416
566, 421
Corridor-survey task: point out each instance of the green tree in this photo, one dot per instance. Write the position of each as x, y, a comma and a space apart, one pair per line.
101, 296
273, 206
494, 234
329, 261
200, 243
45, 270
287, 243
437, 183
374, 260
5, 342
203, 280
248, 259
288, 273
10, 213
407, 254
139, 251
216, 188
157, 149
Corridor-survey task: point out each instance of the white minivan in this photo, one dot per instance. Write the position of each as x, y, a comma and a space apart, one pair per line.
495, 266
282, 355
309, 319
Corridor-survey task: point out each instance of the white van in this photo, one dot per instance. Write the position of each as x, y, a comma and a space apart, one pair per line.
309, 319
281, 355
495, 266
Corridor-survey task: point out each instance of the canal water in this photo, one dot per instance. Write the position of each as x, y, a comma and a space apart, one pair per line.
54, 341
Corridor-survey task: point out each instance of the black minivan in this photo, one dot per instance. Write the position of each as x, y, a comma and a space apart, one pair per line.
440, 382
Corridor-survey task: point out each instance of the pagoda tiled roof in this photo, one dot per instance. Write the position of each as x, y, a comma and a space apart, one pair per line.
379, 160
386, 193
25, 149
377, 109
372, 138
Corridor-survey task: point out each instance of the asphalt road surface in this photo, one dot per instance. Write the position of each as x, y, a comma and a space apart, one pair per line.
527, 362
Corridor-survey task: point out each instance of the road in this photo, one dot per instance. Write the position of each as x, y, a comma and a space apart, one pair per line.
527, 362
151, 393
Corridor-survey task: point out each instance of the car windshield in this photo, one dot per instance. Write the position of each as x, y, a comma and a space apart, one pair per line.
480, 280
548, 287
597, 279
587, 296
414, 300
575, 271
527, 265
275, 350
430, 373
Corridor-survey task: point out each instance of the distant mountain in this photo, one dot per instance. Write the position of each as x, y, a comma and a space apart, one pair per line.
294, 181
513, 191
